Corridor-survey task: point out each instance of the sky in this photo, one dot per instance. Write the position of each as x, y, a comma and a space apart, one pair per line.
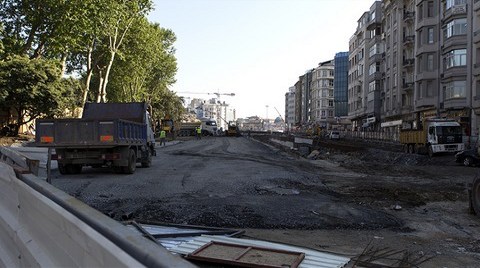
256, 49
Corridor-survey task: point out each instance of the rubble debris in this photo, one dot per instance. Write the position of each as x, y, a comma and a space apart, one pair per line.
373, 257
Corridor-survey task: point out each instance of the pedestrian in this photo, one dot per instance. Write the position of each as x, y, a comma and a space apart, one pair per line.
163, 135
198, 133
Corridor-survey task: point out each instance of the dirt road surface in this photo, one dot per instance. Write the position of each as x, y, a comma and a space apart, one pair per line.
350, 197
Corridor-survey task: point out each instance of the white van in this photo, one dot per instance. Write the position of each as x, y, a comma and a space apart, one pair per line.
334, 135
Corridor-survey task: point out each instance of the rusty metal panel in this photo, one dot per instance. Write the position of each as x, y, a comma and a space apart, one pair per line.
246, 256
313, 258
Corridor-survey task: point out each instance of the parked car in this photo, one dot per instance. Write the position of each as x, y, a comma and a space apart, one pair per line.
468, 157
334, 135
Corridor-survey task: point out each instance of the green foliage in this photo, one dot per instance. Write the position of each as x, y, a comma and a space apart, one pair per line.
32, 88
66, 34
146, 68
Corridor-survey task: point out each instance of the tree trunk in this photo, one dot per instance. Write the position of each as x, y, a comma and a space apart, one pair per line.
64, 63
38, 51
100, 86
31, 37
89, 74
107, 73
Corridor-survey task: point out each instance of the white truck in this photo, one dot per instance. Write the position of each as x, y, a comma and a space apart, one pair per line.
209, 127
434, 136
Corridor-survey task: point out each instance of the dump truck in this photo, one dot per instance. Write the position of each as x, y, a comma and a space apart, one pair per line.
118, 135
183, 129
433, 136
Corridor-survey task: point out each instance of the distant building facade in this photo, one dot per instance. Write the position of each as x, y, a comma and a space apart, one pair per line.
321, 94
340, 84
290, 108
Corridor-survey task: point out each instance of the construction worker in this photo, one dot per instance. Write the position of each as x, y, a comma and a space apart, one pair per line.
163, 135
198, 133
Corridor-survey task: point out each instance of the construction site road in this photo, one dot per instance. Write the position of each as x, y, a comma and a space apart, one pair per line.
346, 199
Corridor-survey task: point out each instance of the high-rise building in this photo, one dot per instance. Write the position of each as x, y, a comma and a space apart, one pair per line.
290, 108
321, 94
398, 65
340, 84
357, 94
474, 37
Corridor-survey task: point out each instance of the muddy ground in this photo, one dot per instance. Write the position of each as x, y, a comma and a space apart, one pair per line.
427, 196
361, 199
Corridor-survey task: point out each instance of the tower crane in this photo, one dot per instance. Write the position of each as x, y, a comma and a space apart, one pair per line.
218, 94
279, 115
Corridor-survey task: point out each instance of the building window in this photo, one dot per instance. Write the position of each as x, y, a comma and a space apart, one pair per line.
430, 10
371, 86
330, 103
477, 88
430, 36
430, 62
457, 57
429, 89
420, 12
455, 89
456, 27
420, 63
330, 113
452, 3
420, 89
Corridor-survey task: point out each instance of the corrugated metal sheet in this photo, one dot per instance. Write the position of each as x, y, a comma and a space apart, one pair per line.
176, 232
312, 259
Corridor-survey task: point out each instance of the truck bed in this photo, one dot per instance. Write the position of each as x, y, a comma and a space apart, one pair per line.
88, 133
413, 136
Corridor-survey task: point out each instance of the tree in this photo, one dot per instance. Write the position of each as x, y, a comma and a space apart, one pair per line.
33, 88
121, 15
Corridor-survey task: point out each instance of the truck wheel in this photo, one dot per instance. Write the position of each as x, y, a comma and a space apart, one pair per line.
117, 169
147, 161
132, 163
73, 169
76, 169
410, 149
62, 169
467, 161
475, 197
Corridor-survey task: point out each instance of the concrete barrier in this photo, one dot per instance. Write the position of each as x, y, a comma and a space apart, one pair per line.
43, 226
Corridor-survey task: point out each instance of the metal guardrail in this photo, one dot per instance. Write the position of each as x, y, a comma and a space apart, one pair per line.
41, 225
19, 162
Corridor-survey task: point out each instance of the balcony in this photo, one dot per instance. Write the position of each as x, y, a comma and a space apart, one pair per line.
408, 16
408, 40
460, 9
375, 23
408, 62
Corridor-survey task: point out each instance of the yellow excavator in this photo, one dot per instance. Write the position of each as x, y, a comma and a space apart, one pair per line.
232, 130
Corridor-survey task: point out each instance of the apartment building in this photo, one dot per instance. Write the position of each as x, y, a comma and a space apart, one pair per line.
290, 108
475, 73
298, 101
321, 94
306, 85
398, 65
340, 84
365, 74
